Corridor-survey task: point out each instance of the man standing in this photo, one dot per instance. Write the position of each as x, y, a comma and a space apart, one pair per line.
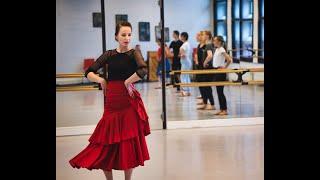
176, 64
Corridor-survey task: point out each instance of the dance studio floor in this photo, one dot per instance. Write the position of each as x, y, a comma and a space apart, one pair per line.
221, 153
82, 108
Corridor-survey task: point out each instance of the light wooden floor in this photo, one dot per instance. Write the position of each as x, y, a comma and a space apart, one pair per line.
81, 108
223, 153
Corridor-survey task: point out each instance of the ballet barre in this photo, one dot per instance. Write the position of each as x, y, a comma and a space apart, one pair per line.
240, 72
71, 75
75, 88
219, 83
207, 71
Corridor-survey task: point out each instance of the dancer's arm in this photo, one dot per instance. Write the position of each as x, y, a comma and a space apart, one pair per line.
168, 54
90, 72
228, 58
182, 53
141, 70
195, 58
208, 58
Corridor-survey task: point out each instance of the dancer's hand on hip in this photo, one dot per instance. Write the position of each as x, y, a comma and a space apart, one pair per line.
103, 85
129, 87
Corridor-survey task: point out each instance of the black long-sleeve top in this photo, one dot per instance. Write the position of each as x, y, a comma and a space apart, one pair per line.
120, 66
202, 55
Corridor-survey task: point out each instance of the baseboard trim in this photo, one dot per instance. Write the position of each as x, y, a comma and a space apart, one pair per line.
215, 122
85, 130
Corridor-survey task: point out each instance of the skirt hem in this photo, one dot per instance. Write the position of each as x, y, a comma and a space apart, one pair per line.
98, 168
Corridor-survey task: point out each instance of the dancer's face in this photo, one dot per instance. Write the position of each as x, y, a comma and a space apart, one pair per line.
202, 37
175, 36
182, 38
124, 36
216, 42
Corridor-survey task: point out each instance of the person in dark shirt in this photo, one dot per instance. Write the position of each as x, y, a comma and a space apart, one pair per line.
196, 65
205, 55
118, 141
176, 64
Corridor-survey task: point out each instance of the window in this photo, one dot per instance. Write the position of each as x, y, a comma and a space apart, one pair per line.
247, 9
220, 18
236, 41
261, 30
242, 24
246, 38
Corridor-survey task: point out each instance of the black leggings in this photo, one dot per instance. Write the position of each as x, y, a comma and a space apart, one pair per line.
221, 96
206, 92
176, 77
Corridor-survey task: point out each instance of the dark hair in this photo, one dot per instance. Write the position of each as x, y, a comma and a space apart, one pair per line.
121, 24
176, 32
158, 40
220, 38
185, 35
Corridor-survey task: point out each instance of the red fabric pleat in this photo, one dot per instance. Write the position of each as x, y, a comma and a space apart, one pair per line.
118, 141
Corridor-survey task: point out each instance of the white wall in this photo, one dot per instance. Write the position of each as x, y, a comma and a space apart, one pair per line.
77, 39
182, 15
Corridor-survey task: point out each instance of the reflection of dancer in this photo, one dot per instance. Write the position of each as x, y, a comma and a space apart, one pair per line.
219, 58
186, 64
118, 141
167, 54
196, 62
176, 64
205, 54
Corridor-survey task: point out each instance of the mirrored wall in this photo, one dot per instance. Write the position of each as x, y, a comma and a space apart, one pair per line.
79, 38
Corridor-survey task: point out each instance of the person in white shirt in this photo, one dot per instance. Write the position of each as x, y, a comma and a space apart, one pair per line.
186, 62
221, 60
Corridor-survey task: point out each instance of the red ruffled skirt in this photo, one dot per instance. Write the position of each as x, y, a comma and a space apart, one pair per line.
118, 141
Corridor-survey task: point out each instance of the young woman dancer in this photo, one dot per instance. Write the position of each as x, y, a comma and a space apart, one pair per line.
186, 62
205, 55
219, 62
118, 141
196, 62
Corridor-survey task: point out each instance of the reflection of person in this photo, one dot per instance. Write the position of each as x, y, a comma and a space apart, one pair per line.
219, 58
186, 62
205, 54
176, 64
167, 54
118, 141
195, 60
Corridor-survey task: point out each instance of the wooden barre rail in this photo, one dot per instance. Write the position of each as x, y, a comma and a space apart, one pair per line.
81, 86
219, 83
71, 75
217, 71
59, 89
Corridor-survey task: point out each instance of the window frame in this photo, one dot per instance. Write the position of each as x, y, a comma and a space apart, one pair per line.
260, 21
216, 20
241, 20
